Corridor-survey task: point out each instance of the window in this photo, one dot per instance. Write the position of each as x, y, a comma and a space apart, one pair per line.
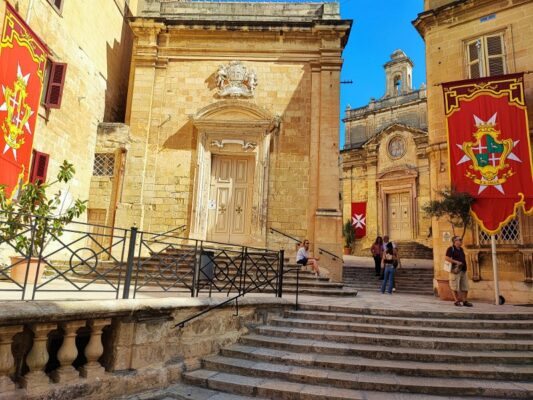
398, 85
510, 234
486, 56
53, 84
39, 167
57, 5
104, 164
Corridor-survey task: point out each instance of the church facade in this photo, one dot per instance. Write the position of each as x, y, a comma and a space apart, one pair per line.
384, 162
233, 124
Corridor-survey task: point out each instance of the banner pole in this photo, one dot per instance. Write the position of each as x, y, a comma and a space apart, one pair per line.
495, 269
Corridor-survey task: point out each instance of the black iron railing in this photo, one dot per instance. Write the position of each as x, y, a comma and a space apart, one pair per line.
128, 262
334, 257
294, 239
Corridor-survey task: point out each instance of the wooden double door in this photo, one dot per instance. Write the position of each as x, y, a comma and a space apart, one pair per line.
399, 216
230, 199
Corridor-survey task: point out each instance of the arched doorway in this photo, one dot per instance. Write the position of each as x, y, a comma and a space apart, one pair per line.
231, 179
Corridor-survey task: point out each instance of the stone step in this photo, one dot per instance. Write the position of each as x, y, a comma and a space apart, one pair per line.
464, 313
438, 343
352, 364
369, 380
500, 334
387, 353
384, 320
277, 389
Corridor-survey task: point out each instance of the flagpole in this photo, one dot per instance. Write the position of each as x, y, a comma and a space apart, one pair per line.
495, 269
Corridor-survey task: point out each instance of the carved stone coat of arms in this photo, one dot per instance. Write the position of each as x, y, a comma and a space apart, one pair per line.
235, 80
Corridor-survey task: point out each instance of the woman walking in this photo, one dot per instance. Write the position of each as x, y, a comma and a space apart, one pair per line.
387, 263
377, 252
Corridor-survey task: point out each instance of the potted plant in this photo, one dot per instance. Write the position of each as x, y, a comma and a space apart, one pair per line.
349, 237
455, 206
30, 221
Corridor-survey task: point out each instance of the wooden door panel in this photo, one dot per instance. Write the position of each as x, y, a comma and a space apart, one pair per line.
239, 212
223, 213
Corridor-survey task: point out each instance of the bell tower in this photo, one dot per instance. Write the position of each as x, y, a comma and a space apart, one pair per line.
399, 74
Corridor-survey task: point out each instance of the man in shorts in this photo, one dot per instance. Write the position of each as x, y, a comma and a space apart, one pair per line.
458, 277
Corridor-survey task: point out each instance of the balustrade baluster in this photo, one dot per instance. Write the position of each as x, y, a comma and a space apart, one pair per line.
7, 361
95, 349
68, 353
36, 380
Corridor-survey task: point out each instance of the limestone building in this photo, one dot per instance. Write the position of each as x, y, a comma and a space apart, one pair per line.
469, 39
95, 80
384, 161
234, 114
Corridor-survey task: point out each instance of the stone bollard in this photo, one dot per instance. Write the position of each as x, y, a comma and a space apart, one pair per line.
94, 350
7, 361
67, 353
36, 380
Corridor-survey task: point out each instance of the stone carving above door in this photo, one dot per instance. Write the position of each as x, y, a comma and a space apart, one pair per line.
235, 80
245, 145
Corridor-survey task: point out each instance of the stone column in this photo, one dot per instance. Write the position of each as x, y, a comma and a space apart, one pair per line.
7, 362
36, 380
94, 349
68, 353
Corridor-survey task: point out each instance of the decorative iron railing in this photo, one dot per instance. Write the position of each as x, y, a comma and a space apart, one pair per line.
126, 263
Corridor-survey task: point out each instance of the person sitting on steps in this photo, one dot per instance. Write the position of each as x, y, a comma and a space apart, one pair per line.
302, 258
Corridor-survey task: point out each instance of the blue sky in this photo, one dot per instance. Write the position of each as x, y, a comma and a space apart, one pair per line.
379, 28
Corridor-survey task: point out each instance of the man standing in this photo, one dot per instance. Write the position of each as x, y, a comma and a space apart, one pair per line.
458, 278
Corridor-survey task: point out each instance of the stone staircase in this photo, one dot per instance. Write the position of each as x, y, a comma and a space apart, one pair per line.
175, 269
414, 250
408, 280
331, 352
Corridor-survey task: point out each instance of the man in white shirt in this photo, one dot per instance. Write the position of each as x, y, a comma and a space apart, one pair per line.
302, 258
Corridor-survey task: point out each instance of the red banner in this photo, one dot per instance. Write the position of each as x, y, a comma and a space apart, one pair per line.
22, 66
489, 148
359, 219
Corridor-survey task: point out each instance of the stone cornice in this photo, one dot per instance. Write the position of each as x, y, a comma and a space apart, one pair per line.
460, 10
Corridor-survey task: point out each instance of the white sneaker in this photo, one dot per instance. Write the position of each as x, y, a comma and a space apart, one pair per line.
393, 289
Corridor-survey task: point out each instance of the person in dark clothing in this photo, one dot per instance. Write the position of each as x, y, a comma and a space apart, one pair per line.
387, 263
458, 277
377, 252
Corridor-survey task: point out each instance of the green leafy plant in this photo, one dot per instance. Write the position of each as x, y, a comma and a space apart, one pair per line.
348, 233
33, 208
453, 205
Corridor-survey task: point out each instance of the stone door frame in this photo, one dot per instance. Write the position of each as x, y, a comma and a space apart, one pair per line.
236, 128
392, 182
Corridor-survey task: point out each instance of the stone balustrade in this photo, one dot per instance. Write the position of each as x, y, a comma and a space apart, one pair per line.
102, 349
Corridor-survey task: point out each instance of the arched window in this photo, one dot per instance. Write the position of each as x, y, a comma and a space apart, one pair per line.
398, 85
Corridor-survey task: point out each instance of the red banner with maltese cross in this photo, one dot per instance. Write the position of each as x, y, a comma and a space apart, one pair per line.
489, 148
359, 219
22, 65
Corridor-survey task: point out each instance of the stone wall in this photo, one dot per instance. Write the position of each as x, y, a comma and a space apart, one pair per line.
445, 52
96, 78
129, 345
175, 111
